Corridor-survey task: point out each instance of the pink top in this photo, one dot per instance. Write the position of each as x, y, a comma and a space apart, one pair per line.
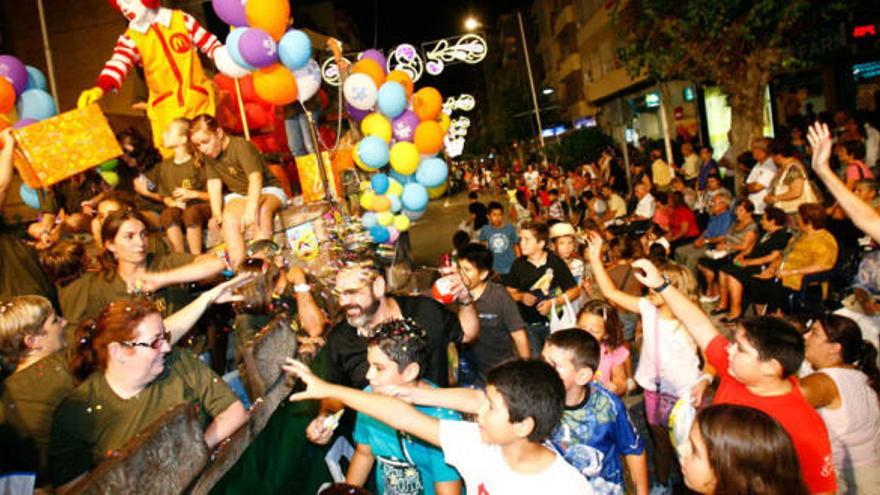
608, 360
858, 170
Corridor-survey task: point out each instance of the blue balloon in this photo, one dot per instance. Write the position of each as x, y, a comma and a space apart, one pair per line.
36, 104
392, 99
295, 49
29, 196
432, 172
414, 215
232, 47
379, 234
380, 183
415, 197
403, 179
373, 151
369, 220
36, 79
396, 205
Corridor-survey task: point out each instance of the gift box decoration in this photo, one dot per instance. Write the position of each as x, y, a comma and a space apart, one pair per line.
310, 177
59, 147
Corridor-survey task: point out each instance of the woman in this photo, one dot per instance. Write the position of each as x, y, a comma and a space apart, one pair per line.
746, 264
253, 193
131, 378
739, 450
622, 251
139, 157
683, 228
740, 238
844, 390
790, 187
814, 250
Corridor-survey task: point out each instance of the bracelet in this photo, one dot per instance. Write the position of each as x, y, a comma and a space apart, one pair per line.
666, 283
302, 288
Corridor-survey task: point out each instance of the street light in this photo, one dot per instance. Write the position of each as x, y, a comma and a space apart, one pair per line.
471, 24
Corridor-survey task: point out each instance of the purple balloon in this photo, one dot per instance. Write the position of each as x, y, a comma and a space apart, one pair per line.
12, 69
376, 55
230, 11
357, 115
24, 122
404, 127
258, 48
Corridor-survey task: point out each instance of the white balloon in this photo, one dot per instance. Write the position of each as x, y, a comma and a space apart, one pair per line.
308, 80
360, 91
226, 65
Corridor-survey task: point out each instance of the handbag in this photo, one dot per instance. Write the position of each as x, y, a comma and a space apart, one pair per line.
568, 319
809, 195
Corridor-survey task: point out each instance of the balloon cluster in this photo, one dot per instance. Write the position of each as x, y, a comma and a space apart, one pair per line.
260, 44
404, 129
23, 101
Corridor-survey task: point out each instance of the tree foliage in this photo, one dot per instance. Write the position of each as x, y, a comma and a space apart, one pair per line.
582, 146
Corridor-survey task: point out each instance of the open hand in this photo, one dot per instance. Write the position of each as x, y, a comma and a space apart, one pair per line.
594, 245
820, 139
225, 292
316, 388
647, 274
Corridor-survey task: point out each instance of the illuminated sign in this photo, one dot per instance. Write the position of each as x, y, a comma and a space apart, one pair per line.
864, 31
652, 100
689, 94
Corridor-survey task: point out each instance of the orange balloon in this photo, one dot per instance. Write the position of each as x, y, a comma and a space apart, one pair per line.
427, 103
371, 68
276, 85
272, 16
429, 137
403, 78
7, 95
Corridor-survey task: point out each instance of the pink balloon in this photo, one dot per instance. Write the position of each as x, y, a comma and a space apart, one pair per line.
14, 71
258, 48
374, 54
404, 127
230, 11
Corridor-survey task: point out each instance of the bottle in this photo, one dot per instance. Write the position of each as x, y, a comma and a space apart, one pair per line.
442, 289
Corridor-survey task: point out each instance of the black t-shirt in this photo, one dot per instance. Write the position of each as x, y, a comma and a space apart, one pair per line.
769, 242
499, 316
523, 275
347, 351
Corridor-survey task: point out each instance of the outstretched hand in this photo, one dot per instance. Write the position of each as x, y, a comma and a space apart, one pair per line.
316, 388
820, 139
225, 292
647, 274
594, 245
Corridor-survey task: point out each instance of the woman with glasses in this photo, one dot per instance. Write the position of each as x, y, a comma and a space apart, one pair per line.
131, 377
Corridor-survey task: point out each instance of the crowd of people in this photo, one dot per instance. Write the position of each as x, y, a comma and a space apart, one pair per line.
572, 300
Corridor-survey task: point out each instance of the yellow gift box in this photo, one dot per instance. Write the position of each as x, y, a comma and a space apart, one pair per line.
310, 177
54, 149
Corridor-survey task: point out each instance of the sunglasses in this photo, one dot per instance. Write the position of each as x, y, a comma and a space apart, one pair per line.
155, 344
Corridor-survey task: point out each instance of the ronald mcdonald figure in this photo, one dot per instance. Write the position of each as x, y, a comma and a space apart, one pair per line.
162, 41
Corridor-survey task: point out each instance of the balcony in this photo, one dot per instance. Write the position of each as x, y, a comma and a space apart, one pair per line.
610, 83
569, 64
565, 17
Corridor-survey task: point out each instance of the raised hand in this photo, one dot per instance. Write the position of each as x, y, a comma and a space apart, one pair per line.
594, 245
820, 139
225, 292
648, 274
316, 388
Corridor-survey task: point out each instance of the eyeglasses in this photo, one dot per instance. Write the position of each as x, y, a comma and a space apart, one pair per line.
155, 344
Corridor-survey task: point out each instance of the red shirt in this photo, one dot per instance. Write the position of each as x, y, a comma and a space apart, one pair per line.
680, 215
791, 411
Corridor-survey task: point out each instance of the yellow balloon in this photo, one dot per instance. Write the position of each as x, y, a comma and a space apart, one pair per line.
381, 203
401, 223
436, 192
405, 158
445, 122
377, 125
367, 199
364, 185
385, 218
394, 188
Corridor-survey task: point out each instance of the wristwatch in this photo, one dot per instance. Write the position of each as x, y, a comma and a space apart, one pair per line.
663, 286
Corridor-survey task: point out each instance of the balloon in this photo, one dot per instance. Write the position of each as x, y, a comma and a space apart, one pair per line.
308, 80
360, 91
295, 49
380, 183
356, 114
248, 93
370, 68
436, 192
395, 187
432, 172
427, 103
429, 137
230, 11
392, 99
271, 16
380, 203
403, 79
111, 178
256, 114
395, 201
257, 48
29, 196
415, 197
14, 71
36, 104
366, 199
379, 234
401, 180
226, 65
368, 219
232, 41
401, 223
404, 127
108, 165
24, 123
375, 55
413, 215
36, 78
393, 235
275, 85
373, 152
404, 158
376, 125
385, 218
7, 97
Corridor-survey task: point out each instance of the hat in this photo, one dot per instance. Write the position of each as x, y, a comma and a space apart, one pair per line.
561, 229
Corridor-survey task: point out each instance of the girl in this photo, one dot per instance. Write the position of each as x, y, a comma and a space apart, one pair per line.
600, 319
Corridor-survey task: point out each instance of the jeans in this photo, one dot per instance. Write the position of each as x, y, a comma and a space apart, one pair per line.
537, 334
299, 139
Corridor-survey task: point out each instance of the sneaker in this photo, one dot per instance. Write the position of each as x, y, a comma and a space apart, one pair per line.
709, 299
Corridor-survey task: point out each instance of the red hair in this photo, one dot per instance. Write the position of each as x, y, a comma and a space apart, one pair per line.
150, 4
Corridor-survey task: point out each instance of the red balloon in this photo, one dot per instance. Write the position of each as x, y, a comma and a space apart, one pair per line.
224, 83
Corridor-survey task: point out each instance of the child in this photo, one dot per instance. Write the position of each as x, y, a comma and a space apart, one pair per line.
757, 370
601, 320
501, 238
565, 245
595, 429
396, 355
503, 453
555, 210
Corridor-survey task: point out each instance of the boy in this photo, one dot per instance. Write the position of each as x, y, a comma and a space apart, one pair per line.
757, 370
502, 331
501, 238
595, 429
502, 454
397, 354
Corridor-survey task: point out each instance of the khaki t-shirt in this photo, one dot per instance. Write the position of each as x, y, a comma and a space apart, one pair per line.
168, 176
234, 164
93, 421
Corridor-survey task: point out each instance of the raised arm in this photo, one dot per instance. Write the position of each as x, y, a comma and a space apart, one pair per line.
606, 285
8, 143
183, 320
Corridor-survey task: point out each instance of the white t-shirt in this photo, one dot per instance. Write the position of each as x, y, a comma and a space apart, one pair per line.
762, 173
645, 207
485, 472
531, 179
679, 359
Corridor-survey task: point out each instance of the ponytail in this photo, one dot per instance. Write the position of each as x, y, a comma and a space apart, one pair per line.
83, 358
867, 364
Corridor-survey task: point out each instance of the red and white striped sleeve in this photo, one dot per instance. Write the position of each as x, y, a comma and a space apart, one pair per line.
202, 38
125, 56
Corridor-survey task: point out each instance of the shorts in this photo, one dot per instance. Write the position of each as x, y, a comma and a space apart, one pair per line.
273, 190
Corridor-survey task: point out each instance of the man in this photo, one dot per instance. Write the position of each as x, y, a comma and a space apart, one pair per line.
646, 204
660, 171
761, 175
709, 165
690, 169
616, 205
720, 220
